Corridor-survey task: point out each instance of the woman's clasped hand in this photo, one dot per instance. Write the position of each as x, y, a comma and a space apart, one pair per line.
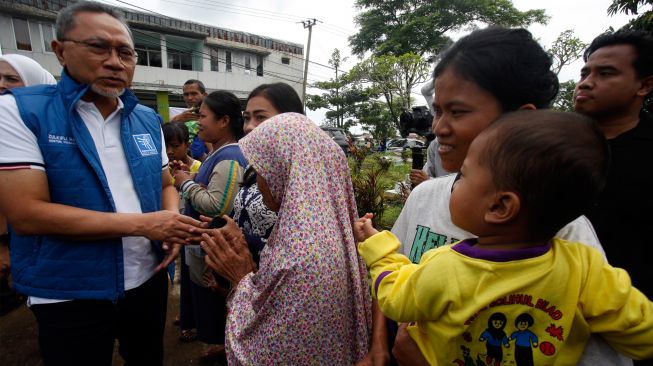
227, 252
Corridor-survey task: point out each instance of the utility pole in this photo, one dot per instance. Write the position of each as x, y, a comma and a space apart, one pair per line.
338, 116
307, 24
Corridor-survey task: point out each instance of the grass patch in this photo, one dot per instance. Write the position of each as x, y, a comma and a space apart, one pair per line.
392, 211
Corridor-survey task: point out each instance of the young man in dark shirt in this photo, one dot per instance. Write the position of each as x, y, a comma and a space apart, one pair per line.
614, 84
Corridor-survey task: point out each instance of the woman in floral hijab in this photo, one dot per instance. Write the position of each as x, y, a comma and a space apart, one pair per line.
308, 303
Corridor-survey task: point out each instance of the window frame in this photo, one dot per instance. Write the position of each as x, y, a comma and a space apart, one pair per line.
144, 52
171, 52
29, 34
248, 63
42, 31
228, 61
259, 65
214, 59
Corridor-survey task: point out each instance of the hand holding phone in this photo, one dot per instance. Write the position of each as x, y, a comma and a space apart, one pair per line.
217, 222
418, 157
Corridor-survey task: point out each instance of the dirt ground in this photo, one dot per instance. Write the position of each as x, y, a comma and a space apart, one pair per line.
19, 345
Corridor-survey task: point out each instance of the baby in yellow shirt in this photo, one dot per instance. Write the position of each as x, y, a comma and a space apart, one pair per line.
516, 295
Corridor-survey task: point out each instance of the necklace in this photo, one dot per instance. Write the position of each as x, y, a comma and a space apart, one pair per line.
215, 150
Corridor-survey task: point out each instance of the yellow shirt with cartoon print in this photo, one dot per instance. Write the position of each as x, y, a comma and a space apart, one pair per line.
476, 312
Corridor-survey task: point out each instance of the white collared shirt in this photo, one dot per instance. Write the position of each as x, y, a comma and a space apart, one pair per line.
19, 145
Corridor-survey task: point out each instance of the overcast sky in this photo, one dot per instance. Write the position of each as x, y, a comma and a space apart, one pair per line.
280, 19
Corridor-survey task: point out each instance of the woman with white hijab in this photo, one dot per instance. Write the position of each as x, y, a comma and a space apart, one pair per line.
15, 71
18, 70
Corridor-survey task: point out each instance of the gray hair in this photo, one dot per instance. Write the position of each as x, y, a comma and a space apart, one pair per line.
66, 17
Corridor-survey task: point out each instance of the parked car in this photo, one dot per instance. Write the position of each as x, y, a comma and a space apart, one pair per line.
339, 136
398, 145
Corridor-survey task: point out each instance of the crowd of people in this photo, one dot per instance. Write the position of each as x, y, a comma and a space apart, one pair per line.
519, 244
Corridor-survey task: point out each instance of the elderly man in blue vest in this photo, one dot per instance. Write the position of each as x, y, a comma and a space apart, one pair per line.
86, 189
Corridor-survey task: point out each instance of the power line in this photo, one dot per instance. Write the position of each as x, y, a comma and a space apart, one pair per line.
268, 60
262, 13
204, 55
194, 4
290, 17
258, 13
192, 50
166, 16
184, 48
307, 24
138, 7
258, 16
154, 12
254, 11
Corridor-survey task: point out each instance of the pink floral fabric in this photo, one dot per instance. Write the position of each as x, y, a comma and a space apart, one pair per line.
309, 302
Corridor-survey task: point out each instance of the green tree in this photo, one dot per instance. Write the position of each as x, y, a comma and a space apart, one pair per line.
564, 101
374, 117
341, 96
393, 77
644, 19
398, 27
566, 49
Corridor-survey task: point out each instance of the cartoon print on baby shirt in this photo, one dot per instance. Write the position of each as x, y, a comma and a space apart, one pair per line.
537, 333
525, 340
467, 359
494, 337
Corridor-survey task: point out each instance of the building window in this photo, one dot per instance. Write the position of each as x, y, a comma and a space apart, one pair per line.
148, 55
248, 63
285, 60
47, 35
259, 65
181, 60
227, 61
21, 32
214, 59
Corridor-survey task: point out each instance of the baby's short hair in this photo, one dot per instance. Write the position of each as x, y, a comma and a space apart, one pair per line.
556, 162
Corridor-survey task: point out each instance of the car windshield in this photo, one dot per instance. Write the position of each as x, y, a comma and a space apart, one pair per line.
337, 133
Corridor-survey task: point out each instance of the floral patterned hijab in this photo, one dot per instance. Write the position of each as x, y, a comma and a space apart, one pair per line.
309, 302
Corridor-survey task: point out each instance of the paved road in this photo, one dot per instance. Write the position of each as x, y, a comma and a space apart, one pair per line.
18, 338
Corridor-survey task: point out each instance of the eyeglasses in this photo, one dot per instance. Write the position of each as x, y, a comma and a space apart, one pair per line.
126, 54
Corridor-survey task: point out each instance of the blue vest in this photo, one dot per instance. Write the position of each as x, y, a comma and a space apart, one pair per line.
56, 267
229, 152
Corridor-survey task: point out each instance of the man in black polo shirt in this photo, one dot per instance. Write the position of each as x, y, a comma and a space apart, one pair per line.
614, 84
